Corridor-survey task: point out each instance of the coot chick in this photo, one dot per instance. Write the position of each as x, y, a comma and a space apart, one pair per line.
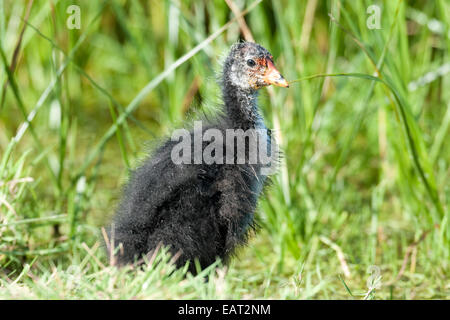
203, 209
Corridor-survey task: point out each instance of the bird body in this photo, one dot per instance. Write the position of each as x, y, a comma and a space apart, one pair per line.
202, 210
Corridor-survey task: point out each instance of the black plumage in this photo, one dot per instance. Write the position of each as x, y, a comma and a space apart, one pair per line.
201, 211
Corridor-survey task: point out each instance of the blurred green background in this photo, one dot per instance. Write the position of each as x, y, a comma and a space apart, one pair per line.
358, 209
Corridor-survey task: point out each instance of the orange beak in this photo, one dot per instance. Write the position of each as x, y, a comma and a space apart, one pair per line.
273, 76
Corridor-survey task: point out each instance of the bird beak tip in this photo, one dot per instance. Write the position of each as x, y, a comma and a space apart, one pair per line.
282, 83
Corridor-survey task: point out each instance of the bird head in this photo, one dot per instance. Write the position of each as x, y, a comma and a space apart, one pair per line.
250, 66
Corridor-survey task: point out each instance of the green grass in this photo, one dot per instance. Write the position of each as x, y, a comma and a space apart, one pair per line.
363, 190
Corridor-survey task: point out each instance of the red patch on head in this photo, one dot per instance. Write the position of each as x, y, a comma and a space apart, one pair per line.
261, 61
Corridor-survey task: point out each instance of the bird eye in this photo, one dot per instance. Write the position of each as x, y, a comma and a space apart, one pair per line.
251, 62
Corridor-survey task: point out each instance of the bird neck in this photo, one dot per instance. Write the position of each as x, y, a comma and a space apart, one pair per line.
241, 106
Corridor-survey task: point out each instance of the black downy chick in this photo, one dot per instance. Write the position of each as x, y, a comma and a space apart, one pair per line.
202, 210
